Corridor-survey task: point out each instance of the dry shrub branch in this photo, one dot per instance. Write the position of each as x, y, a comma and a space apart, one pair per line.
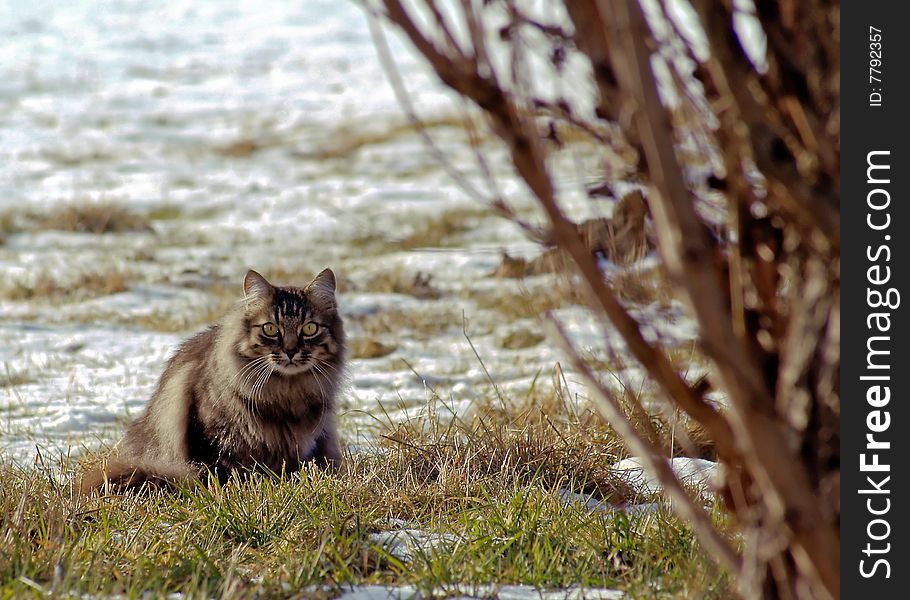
762, 285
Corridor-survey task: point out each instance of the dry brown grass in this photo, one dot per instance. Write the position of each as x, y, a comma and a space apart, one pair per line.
346, 141
521, 338
10, 378
94, 217
49, 288
642, 286
242, 148
529, 302
671, 430
367, 347
543, 436
171, 323
443, 230
633, 284
427, 322
419, 284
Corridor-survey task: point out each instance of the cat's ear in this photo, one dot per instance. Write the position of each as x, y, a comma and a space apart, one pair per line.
322, 288
255, 285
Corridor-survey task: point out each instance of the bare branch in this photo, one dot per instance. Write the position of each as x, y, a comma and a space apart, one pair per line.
688, 255
529, 162
444, 26
404, 100
774, 354
651, 456
773, 148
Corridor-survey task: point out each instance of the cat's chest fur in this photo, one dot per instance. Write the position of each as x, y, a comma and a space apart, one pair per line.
237, 432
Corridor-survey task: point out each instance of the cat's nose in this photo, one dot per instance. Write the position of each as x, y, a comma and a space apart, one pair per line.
290, 354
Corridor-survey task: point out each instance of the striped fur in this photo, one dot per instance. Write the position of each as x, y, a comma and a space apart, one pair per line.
235, 397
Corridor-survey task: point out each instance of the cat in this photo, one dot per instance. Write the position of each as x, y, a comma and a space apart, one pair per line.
256, 390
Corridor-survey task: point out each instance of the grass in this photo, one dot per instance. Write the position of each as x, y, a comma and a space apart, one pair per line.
11, 378
84, 285
522, 338
367, 347
441, 230
491, 485
438, 230
96, 217
642, 286
634, 285
530, 300
430, 321
347, 142
419, 284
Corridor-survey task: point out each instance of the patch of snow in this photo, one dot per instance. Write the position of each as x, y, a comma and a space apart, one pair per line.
592, 504
589, 502
379, 592
408, 544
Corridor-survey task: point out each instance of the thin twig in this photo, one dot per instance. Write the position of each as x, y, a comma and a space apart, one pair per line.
444, 26
390, 68
651, 456
464, 330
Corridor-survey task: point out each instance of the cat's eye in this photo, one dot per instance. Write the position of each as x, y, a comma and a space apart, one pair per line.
270, 329
310, 328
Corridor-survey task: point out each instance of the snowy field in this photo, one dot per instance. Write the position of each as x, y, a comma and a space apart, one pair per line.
259, 135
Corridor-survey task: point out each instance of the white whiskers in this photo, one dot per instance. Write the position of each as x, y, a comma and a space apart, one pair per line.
256, 371
262, 379
320, 369
242, 375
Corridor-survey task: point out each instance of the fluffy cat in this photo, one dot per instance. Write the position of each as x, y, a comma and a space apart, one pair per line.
258, 389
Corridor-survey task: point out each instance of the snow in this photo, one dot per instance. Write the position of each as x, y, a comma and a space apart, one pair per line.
696, 473
135, 105
408, 544
593, 505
